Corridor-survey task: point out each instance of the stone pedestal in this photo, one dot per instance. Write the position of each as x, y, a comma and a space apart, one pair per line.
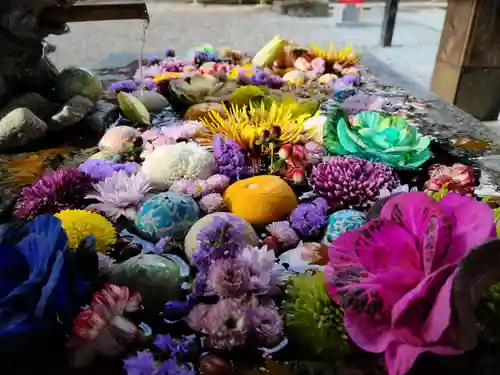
300, 8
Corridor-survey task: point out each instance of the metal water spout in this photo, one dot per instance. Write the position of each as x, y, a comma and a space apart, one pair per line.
100, 11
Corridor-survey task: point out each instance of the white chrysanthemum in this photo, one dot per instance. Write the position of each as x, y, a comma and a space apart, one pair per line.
170, 163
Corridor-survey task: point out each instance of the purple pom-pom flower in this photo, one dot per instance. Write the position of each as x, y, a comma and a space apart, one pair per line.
308, 219
230, 160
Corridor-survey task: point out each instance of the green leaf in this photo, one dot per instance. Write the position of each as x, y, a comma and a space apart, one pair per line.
132, 108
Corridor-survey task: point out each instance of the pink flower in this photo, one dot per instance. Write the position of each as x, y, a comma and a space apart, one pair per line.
458, 178
396, 276
101, 327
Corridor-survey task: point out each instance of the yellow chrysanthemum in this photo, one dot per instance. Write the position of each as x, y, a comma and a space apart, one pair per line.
167, 76
345, 56
246, 123
79, 224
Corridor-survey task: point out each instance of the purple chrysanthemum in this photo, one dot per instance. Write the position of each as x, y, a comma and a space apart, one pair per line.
220, 239
218, 183
141, 364
196, 319
230, 160
56, 191
309, 218
227, 324
266, 324
229, 278
119, 195
348, 182
127, 85
283, 232
99, 169
174, 347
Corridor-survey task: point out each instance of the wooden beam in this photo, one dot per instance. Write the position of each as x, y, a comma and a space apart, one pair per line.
467, 69
390, 11
98, 11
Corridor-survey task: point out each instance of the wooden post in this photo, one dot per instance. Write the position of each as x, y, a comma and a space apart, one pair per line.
467, 69
390, 11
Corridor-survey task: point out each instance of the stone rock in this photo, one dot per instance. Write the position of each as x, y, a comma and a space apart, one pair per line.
198, 111
153, 101
78, 81
103, 114
33, 101
71, 113
19, 127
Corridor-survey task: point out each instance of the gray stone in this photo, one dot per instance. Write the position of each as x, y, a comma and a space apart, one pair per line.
33, 101
20, 127
78, 81
71, 113
103, 114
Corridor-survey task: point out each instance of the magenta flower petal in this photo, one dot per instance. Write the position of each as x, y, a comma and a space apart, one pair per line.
422, 217
474, 224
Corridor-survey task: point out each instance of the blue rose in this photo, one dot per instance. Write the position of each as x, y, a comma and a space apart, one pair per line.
37, 282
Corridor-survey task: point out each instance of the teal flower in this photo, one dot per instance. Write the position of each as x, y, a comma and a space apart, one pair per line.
376, 136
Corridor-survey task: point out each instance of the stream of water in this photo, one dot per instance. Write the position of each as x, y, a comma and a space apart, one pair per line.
145, 25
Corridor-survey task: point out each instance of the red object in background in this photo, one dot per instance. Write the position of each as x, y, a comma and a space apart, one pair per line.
351, 1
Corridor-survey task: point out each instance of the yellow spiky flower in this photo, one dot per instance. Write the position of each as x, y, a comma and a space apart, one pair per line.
245, 124
345, 56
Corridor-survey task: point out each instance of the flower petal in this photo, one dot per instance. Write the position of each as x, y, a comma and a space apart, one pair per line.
411, 313
427, 221
134, 303
400, 357
365, 333
474, 224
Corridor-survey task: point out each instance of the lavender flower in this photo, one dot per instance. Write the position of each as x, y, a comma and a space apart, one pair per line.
309, 218
221, 239
120, 195
176, 347
127, 85
266, 324
266, 275
99, 169
59, 190
212, 203
348, 182
193, 188
229, 278
227, 324
171, 367
283, 231
218, 183
196, 319
230, 159
141, 364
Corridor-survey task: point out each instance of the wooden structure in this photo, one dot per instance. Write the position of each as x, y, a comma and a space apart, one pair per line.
467, 69
390, 11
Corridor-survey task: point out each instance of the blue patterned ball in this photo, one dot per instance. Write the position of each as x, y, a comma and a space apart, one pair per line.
342, 221
167, 214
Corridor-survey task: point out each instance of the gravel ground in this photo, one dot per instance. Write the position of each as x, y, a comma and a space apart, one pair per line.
182, 26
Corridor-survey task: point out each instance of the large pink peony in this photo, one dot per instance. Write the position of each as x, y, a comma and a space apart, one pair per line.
402, 275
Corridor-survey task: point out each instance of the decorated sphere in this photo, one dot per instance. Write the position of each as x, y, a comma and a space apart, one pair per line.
250, 238
157, 279
260, 199
169, 214
342, 221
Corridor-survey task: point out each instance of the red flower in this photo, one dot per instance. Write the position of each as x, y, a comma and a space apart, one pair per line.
101, 327
458, 178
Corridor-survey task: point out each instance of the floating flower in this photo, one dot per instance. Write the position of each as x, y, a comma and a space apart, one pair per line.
127, 85
62, 189
101, 328
143, 363
376, 136
79, 224
266, 275
283, 231
245, 125
312, 319
397, 276
309, 218
348, 182
458, 178
213, 202
99, 169
332, 55
120, 195
266, 324
218, 183
227, 324
169, 163
230, 160
229, 278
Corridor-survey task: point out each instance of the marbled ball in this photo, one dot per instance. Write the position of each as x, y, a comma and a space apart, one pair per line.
342, 221
167, 214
